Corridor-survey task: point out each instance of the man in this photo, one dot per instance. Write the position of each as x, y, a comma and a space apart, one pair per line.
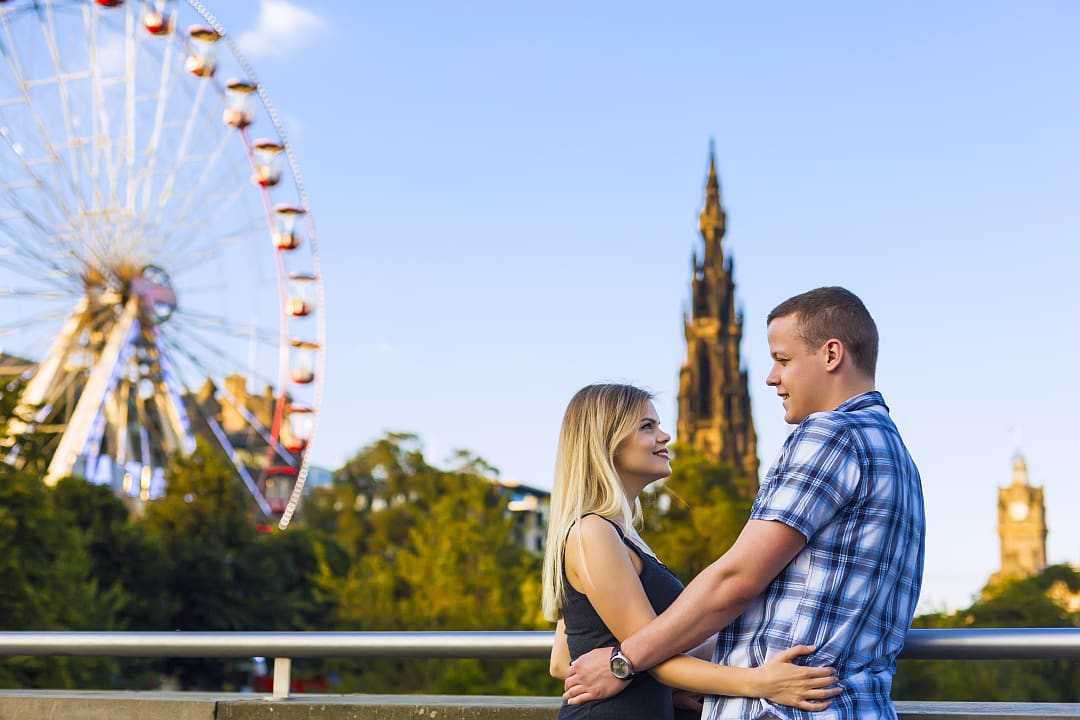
832, 555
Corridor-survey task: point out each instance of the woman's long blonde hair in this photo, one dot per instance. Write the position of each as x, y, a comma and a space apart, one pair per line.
597, 420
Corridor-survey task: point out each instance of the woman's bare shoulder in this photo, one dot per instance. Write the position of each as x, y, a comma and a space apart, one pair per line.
592, 529
593, 537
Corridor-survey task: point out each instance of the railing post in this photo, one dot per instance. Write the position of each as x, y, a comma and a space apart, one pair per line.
282, 671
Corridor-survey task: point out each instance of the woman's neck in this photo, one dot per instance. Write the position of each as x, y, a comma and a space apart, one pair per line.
632, 489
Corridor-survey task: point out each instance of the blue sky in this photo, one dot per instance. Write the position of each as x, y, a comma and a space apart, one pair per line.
507, 196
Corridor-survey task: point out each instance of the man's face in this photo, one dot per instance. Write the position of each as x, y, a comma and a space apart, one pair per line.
798, 372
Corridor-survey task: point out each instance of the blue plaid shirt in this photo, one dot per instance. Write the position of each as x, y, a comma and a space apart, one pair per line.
844, 480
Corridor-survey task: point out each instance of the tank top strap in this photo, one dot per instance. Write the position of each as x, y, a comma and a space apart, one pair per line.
622, 535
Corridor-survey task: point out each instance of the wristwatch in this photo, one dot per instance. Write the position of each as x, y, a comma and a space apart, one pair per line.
621, 667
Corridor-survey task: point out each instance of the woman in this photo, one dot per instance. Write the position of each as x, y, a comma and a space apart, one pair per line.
602, 582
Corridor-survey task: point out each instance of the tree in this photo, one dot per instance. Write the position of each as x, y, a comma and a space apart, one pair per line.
206, 525
124, 559
1020, 603
428, 549
696, 515
48, 584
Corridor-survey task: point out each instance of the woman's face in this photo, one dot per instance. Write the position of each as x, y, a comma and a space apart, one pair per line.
643, 457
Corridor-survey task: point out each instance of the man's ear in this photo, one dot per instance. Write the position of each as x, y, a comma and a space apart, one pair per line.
834, 354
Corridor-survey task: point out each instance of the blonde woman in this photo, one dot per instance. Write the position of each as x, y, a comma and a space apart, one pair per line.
602, 582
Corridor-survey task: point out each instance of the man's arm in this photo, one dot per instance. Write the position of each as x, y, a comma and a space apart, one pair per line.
712, 600
718, 594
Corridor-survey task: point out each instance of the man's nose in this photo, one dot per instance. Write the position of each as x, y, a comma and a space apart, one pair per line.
772, 379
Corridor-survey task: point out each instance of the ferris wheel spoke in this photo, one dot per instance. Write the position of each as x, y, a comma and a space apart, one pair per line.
20, 244
28, 267
12, 56
238, 406
184, 335
192, 344
205, 249
235, 330
105, 148
34, 293
187, 290
129, 103
196, 190
180, 249
181, 150
34, 180
75, 145
183, 226
165, 84
9, 328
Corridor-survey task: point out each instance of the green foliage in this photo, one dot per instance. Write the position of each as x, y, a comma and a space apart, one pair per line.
394, 543
1020, 603
706, 510
48, 584
411, 546
222, 574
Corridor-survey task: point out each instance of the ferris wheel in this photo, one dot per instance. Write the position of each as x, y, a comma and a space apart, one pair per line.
159, 271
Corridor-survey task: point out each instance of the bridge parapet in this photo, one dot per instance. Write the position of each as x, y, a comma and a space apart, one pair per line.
111, 705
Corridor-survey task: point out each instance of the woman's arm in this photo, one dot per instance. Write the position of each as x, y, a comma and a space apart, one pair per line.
610, 581
559, 665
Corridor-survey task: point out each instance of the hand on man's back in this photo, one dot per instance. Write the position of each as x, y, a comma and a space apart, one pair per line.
590, 678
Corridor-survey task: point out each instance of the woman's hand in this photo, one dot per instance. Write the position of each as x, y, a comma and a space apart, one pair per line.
805, 688
559, 665
688, 701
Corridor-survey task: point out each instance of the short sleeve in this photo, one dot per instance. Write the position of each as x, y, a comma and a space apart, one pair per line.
815, 476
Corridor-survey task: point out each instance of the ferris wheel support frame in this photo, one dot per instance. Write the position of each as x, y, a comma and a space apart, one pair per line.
93, 395
44, 375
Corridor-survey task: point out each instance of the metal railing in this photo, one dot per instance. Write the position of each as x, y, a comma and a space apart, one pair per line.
972, 644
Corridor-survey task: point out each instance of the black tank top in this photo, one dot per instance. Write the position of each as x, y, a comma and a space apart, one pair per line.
644, 698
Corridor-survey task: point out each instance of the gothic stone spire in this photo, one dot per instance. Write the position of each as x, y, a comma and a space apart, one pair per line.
714, 397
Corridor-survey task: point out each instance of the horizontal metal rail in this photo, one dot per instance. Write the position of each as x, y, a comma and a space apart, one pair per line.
966, 644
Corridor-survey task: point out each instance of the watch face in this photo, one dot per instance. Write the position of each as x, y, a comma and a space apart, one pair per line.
1018, 510
620, 668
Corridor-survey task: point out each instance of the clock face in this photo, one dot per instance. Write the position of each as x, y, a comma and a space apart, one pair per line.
1018, 510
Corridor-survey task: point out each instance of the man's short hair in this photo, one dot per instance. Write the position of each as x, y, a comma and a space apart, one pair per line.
833, 312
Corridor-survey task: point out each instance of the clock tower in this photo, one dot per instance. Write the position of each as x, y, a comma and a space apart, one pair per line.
1021, 525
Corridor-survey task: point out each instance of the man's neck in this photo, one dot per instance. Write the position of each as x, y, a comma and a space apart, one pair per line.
845, 391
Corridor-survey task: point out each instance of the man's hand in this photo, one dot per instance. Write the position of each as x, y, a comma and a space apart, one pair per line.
590, 678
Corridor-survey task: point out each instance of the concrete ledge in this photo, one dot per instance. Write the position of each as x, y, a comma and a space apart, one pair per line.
393, 707
995, 711
112, 705
106, 705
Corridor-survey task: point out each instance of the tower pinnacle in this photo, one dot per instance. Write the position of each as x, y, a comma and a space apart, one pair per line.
712, 220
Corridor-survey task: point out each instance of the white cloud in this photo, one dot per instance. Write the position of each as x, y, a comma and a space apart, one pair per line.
280, 28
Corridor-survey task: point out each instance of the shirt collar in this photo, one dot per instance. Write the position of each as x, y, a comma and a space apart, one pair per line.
862, 401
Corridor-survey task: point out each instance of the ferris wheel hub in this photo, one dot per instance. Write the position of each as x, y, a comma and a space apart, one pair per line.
154, 288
